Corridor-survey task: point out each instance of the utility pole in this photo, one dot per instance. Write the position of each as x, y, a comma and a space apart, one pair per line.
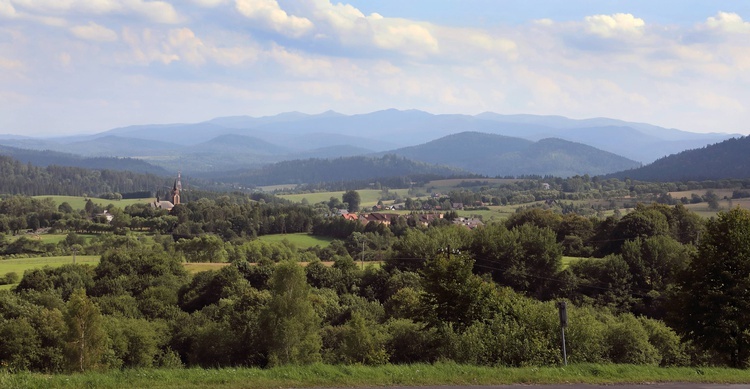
75, 250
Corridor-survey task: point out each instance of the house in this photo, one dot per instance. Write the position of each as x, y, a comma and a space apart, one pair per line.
426, 218
457, 205
350, 216
545, 186
106, 215
470, 223
380, 218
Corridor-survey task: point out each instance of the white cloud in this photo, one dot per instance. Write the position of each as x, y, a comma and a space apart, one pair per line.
608, 26
210, 3
269, 13
157, 11
408, 38
6, 9
728, 22
10, 64
94, 32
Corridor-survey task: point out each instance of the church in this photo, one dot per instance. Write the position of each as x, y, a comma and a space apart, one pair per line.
174, 196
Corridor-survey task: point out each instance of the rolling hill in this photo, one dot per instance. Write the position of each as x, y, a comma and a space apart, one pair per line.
727, 159
331, 170
497, 155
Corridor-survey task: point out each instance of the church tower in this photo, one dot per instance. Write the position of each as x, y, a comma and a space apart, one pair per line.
176, 190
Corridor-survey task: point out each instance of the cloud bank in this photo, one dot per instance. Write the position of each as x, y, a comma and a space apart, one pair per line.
119, 62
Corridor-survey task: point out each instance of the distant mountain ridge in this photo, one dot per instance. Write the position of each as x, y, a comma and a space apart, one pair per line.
339, 169
245, 142
47, 158
723, 160
497, 155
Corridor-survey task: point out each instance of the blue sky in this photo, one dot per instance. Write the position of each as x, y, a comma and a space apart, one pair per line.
84, 66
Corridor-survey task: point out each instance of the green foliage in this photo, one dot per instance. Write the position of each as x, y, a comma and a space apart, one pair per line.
289, 321
714, 303
628, 342
454, 295
352, 200
85, 339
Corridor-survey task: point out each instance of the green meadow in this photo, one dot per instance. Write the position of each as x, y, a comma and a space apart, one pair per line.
368, 197
20, 265
300, 240
78, 202
49, 238
358, 376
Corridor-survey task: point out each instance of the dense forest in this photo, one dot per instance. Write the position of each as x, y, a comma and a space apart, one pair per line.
47, 158
724, 160
333, 170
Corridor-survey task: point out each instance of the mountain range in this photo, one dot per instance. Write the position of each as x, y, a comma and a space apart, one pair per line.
489, 144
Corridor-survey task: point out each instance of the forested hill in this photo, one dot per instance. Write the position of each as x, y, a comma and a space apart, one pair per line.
332, 170
727, 159
26, 179
497, 155
47, 157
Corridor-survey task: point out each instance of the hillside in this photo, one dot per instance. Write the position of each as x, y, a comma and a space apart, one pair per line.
727, 159
497, 155
47, 158
331, 170
17, 177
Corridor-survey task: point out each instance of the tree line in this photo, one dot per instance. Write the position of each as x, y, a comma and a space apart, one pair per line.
662, 287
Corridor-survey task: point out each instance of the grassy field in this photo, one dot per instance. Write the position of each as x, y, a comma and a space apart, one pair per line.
49, 238
197, 267
20, 265
452, 183
78, 202
319, 375
368, 197
300, 240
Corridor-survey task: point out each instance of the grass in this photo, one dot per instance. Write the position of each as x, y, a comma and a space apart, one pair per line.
368, 197
300, 240
20, 265
320, 375
49, 238
78, 202
197, 267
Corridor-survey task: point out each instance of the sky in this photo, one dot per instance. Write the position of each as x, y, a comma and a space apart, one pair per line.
86, 66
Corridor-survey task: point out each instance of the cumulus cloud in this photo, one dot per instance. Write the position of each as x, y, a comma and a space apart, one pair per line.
270, 14
608, 26
94, 32
728, 22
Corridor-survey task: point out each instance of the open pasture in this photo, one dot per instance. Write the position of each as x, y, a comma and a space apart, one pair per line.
48, 238
368, 197
20, 265
78, 202
300, 240
702, 192
454, 182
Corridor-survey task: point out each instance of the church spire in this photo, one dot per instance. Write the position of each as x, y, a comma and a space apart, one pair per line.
176, 189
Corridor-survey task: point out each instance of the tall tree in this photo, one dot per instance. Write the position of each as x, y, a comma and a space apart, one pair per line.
290, 320
85, 337
715, 301
351, 197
